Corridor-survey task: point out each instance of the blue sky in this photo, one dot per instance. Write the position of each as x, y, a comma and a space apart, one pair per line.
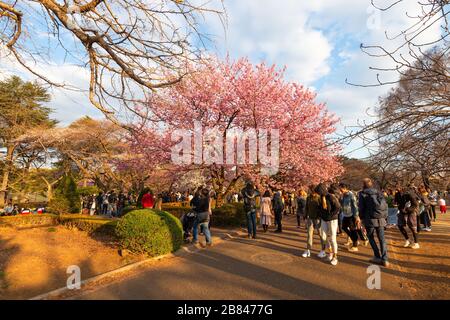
318, 41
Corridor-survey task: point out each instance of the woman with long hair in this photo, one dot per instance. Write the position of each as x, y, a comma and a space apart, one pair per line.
266, 211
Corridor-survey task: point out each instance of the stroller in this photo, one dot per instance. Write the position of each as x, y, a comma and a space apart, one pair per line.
187, 220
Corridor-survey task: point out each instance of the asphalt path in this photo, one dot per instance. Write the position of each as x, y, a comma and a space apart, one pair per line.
270, 267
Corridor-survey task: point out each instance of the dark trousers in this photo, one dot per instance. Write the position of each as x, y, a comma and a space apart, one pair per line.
433, 211
104, 209
405, 233
349, 227
424, 219
251, 223
340, 219
379, 252
278, 218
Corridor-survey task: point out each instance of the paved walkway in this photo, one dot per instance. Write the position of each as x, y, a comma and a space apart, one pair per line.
270, 268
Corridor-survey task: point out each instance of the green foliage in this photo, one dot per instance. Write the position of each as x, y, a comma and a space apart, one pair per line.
128, 209
229, 215
58, 205
90, 224
88, 191
150, 232
22, 107
29, 220
67, 189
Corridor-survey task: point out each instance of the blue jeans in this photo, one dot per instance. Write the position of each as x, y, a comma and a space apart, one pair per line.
251, 223
380, 253
206, 232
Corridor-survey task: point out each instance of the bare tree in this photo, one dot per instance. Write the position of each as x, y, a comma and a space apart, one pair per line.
408, 140
127, 46
413, 130
413, 43
88, 147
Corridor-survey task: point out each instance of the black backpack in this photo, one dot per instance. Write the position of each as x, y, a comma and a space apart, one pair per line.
249, 202
376, 205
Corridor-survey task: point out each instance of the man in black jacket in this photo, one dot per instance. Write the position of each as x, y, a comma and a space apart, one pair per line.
373, 213
408, 206
278, 208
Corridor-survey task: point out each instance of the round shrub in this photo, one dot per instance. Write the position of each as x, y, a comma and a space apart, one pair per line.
150, 232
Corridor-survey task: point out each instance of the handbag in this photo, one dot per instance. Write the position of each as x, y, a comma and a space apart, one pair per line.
203, 216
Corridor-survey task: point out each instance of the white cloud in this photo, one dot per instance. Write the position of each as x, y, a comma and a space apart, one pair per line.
68, 105
280, 34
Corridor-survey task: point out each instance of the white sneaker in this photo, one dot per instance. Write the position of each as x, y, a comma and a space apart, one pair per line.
407, 244
322, 254
330, 257
334, 261
415, 246
428, 229
353, 249
306, 254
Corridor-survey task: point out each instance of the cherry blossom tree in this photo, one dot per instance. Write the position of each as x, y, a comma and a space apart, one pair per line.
222, 96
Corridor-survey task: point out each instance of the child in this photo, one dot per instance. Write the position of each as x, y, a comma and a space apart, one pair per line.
442, 205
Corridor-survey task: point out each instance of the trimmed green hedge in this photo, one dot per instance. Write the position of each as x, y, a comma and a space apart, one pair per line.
90, 224
150, 232
229, 215
177, 211
128, 209
29, 220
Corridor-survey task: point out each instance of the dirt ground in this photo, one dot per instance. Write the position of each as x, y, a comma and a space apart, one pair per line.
426, 271
35, 261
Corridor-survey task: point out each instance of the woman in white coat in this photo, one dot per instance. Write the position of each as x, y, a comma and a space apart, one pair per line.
266, 211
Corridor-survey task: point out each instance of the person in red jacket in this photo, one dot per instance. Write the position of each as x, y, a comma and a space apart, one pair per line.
148, 200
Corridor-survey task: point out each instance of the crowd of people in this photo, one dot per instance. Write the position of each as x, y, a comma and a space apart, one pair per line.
324, 209
328, 210
110, 204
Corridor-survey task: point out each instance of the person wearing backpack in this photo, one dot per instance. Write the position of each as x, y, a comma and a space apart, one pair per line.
373, 211
350, 221
201, 203
329, 214
300, 206
249, 195
408, 206
312, 221
425, 209
278, 208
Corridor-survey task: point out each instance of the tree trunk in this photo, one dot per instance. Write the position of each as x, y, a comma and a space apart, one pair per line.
6, 172
426, 180
220, 197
